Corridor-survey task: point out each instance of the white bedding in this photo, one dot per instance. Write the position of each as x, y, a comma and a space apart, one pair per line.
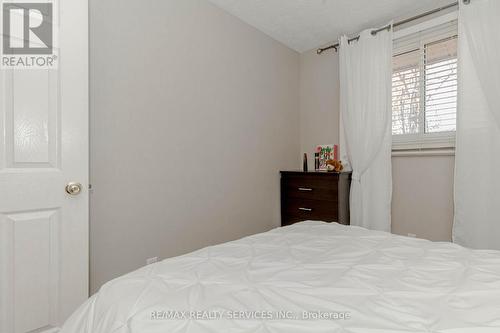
357, 280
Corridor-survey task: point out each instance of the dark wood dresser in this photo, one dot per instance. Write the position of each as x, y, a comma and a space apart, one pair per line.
316, 195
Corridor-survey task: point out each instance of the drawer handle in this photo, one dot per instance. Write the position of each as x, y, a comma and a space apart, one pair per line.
305, 209
305, 189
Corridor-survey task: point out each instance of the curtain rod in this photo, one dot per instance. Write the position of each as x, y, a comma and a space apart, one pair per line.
374, 32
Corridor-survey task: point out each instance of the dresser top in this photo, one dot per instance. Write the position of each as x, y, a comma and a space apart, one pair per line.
299, 172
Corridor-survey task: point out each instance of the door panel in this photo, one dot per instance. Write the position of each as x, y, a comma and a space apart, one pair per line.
44, 146
32, 118
32, 285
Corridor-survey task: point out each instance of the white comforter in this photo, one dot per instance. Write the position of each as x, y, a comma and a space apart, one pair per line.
308, 277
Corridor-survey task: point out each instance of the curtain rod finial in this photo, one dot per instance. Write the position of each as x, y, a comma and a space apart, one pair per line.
319, 51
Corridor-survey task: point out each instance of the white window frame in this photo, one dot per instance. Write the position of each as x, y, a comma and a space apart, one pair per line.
423, 141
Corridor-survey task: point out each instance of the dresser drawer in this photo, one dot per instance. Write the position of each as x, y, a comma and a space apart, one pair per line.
291, 219
306, 206
319, 181
317, 187
305, 209
310, 192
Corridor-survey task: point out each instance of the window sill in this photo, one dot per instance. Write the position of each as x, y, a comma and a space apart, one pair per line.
430, 144
423, 152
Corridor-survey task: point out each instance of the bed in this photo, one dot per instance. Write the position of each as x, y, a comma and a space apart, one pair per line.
307, 277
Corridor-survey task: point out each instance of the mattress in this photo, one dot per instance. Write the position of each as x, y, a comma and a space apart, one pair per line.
307, 277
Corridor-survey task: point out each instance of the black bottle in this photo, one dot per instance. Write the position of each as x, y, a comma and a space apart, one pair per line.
305, 162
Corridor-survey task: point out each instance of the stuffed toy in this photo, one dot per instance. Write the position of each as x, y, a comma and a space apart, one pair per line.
334, 165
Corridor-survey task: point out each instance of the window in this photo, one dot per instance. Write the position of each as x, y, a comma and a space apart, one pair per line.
424, 89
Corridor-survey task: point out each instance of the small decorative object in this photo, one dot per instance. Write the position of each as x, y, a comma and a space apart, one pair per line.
326, 152
334, 165
316, 161
304, 165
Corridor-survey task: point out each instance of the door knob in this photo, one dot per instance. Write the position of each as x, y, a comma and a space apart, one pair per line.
73, 188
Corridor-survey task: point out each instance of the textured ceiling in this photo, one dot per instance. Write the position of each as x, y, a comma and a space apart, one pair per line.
306, 24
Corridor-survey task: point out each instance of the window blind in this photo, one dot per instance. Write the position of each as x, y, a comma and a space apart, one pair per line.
406, 93
424, 85
440, 61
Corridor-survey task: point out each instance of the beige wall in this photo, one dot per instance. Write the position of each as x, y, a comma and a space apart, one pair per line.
422, 199
319, 101
193, 113
422, 186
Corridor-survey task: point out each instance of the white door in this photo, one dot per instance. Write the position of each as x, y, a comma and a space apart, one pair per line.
43, 147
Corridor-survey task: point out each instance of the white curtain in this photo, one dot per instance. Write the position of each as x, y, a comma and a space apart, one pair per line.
477, 160
365, 106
